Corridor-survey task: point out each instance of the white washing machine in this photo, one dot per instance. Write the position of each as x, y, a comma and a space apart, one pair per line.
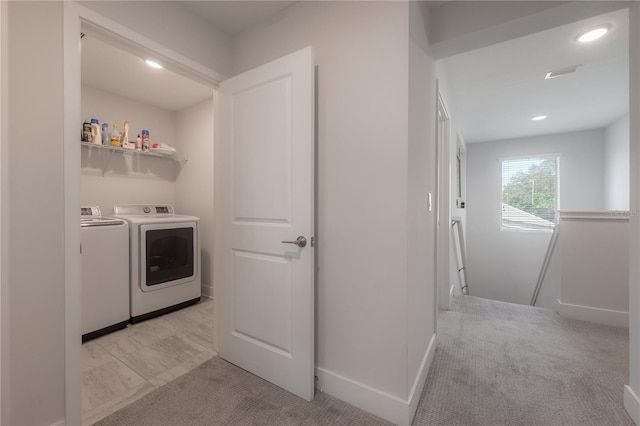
164, 259
105, 273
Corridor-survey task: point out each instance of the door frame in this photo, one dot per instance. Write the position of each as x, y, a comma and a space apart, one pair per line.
443, 201
75, 17
4, 225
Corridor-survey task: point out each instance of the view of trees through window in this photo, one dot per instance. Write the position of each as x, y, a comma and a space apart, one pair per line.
529, 193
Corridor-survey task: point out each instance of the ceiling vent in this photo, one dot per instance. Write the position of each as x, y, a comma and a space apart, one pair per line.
562, 72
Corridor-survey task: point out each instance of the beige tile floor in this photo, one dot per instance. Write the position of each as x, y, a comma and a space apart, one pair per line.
121, 367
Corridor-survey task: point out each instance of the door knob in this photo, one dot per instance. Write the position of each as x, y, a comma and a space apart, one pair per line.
300, 241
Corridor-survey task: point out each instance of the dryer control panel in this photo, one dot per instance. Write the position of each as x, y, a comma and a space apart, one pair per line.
143, 210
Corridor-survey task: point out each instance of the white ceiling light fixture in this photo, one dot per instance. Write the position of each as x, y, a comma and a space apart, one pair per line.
153, 64
539, 117
594, 33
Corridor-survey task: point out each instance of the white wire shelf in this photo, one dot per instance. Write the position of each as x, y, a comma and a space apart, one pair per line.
182, 160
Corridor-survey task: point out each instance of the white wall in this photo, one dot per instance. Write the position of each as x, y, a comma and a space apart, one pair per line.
616, 165
504, 265
595, 267
421, 232
35, 373
112, 108
4, 216
33, 332
456, 19
194, 185
128, 179
631, 392
362, 57
462, 26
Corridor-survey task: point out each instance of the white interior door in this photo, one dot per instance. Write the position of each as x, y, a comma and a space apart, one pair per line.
264, 183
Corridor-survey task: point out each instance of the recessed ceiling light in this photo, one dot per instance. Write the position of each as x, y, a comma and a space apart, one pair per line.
153, 64
594, 33
539, 117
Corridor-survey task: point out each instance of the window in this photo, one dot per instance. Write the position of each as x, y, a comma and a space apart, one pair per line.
530, 193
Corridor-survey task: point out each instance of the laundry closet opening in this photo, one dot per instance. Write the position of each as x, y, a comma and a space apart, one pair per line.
119, 90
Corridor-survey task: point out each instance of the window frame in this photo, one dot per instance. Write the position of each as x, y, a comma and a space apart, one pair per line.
543, 157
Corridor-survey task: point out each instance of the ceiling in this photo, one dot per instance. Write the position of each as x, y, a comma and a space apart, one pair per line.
110, 69
496, 90
234, 17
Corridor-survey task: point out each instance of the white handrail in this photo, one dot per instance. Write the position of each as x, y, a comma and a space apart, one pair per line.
461, 260
545, 263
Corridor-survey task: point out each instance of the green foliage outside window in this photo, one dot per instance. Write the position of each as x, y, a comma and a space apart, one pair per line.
530, 186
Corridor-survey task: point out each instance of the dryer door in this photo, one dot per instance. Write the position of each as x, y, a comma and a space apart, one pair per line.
168, 254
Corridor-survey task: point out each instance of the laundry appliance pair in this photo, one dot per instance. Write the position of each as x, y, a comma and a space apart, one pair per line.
142, 262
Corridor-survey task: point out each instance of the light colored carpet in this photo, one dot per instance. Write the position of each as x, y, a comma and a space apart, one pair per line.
219, 393
496, 364
503, 364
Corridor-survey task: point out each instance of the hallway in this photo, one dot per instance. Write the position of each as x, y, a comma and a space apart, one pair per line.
496, 364
504, 364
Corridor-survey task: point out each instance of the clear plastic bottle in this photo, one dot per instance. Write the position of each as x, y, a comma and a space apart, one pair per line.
96, 131
125, 135
106, 139
115, 136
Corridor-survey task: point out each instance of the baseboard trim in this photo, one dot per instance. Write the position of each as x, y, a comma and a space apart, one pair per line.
632, 404
376, 402
421, 378
60, 423
595, 315
207, 291
382, 404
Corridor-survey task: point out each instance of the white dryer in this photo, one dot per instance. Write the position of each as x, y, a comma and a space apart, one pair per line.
104, 273
164, 259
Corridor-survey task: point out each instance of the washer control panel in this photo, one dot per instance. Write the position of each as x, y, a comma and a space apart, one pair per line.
90, 211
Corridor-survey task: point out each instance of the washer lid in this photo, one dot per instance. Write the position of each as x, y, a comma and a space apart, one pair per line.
100, 221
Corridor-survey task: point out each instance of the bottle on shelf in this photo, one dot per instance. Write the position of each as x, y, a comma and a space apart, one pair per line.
138, 143
106, 140
115, 136
96, 131
125, 136
86, 131
145, 140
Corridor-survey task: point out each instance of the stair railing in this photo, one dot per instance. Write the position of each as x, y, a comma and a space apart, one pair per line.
545, 263
456, 224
